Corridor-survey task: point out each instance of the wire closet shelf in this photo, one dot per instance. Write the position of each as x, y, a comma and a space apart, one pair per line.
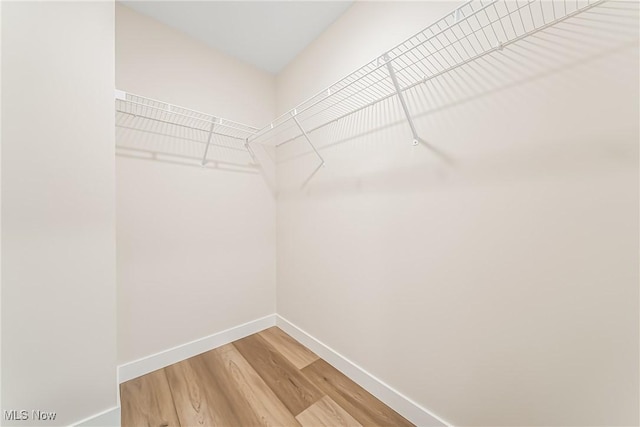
205, 126
475, 29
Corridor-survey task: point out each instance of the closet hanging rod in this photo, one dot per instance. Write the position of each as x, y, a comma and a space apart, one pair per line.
126, 96
300, 108
471, 31
163, 112
216, 120
239, 138
453, 67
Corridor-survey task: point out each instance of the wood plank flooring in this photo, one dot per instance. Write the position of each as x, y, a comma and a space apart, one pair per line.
266, 379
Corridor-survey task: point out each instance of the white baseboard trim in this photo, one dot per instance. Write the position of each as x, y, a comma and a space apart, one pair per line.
387, 394
406, 407
176, 354
108, 418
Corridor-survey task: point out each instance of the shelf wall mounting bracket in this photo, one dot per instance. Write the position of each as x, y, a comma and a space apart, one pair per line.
206, 149
304, 133
315, 150
394, 80
250, 150
121, 95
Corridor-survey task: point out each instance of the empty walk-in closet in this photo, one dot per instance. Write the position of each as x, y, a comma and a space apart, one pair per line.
322, 213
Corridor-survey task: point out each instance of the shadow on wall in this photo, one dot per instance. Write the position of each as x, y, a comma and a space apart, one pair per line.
143, 138
518, 111
146, 133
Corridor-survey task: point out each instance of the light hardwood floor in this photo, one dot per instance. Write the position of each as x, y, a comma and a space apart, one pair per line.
265, 379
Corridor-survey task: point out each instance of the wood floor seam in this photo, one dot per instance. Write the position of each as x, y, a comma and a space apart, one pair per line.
266, 379
164, 372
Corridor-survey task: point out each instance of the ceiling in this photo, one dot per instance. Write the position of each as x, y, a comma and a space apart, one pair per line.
266, 34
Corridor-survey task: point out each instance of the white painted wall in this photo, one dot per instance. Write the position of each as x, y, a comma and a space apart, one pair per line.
502, 290
196, 246
58, 213
1, 206
498, 291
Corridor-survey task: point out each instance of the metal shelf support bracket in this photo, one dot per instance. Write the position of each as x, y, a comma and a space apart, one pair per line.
394, 80
315, 150
206, 149
304, 133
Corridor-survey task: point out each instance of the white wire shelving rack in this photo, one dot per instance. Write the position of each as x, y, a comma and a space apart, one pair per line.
473, 30
203, 126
